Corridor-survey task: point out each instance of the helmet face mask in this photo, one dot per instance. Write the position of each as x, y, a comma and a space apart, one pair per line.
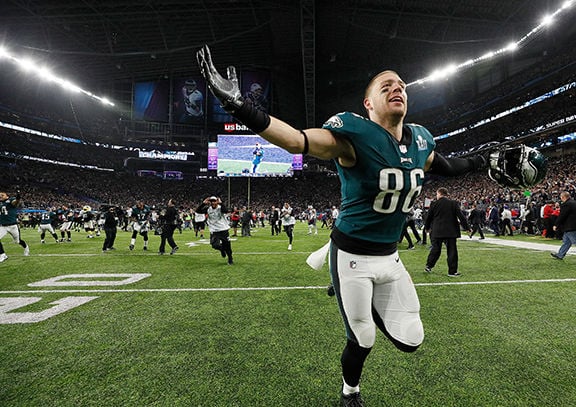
517, 167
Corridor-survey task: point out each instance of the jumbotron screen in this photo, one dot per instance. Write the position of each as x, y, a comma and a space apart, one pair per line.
249, 155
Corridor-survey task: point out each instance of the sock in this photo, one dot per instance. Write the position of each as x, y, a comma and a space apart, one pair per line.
346, 390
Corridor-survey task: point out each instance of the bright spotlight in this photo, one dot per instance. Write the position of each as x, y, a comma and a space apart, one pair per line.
26, 64
4, 52
487, 55
46, 74
547, 20
70, 86
513, 46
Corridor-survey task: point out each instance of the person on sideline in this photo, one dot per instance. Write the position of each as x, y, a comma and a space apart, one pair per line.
274, 219
169, 222
506, 218
381, 163
110, 229
288, 221
444, 221
476, 220
566, 223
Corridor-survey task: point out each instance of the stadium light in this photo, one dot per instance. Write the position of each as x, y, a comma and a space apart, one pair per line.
31, 66
547, 21
26, 64
513, 46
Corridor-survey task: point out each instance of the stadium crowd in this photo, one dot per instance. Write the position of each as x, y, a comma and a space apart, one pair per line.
45, 185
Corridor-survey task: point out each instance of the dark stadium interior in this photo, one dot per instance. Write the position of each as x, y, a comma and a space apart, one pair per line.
320, 55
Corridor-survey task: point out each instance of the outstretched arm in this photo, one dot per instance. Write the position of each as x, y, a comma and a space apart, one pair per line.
320, 143
450, 167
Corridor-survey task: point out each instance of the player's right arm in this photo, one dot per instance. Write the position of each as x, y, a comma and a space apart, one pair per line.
320, 143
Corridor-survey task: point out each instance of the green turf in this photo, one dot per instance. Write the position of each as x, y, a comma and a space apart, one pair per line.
177, 339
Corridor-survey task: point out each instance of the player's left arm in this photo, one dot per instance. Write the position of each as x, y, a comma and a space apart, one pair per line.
453, 166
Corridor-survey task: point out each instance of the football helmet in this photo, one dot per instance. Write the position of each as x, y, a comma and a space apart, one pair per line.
86, 208
517, 167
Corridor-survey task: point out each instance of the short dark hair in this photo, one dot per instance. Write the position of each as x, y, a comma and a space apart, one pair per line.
442, 191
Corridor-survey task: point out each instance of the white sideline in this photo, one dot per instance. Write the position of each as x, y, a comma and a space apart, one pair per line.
519, 244
173, 290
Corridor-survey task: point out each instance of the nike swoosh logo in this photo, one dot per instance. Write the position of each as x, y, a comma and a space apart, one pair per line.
397, 259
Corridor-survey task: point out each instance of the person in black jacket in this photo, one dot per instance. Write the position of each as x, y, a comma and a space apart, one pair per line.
566, 222
274, 218
442, 222
110, 228
169, 221
476, 220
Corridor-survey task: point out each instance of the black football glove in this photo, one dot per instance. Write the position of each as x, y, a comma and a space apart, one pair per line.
226, 91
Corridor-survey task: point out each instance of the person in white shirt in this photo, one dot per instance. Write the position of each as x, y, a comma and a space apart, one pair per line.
311, 216
335, 213
506, 221
288, 222
218, 225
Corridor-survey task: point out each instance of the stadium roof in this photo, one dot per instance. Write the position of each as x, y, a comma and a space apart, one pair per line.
320, 52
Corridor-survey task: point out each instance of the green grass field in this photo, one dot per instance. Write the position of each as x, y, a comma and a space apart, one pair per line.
263, 332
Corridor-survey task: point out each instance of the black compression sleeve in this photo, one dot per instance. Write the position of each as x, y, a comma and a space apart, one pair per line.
255, 119
451, 167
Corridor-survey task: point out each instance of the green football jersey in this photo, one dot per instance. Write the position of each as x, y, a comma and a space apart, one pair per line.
382, 187
8, 212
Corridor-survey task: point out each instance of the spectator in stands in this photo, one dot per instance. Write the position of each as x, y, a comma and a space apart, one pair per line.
547, 213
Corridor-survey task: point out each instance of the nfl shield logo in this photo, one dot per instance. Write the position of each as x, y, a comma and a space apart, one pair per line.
352, 264
403, 149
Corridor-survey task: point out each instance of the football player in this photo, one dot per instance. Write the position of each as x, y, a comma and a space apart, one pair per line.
257, 154
140, 224
48, 220
9, 222
88, 220
66, 216
381, 162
